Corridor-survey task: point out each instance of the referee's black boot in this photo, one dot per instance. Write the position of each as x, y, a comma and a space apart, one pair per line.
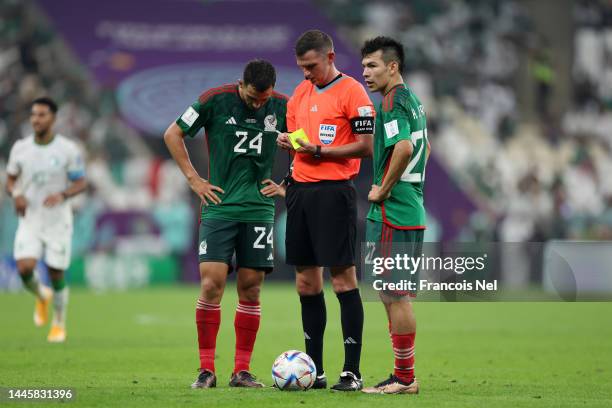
348, 382
320, 382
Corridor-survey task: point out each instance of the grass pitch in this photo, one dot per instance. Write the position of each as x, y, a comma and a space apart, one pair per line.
138, 349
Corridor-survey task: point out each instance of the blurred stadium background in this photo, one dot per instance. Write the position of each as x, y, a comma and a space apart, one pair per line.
518, 95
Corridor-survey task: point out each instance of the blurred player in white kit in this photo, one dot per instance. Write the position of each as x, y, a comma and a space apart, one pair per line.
44, 170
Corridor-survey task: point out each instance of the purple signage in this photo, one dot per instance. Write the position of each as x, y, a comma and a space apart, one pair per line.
161, 54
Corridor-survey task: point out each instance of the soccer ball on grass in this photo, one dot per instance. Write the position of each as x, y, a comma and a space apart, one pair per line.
293, 370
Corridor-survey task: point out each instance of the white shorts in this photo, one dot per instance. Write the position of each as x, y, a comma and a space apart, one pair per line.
34, 241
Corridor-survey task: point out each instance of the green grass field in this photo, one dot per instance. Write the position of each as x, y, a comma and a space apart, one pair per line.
137, 349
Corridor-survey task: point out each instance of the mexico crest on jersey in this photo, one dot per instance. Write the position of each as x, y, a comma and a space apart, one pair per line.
270, 123
327, 133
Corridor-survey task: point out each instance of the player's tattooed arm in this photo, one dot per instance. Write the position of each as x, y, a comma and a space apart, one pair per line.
19, 200
272, 189
176, 145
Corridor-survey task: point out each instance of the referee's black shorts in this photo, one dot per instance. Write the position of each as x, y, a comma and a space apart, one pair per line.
321, 223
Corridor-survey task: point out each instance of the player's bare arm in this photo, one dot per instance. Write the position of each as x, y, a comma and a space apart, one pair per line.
19, 200
402, 152
361, 148
77, 187
176, 145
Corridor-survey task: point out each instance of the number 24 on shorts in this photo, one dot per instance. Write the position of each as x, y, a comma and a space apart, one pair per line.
260, 233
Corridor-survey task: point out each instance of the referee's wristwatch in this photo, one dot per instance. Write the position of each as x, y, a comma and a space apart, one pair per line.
317, 153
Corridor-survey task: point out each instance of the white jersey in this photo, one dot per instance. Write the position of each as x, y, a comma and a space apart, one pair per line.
43, 170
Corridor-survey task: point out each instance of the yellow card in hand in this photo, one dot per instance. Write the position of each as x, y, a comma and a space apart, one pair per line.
298, 134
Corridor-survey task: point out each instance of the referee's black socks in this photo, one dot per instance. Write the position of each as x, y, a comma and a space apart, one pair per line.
314, 318
351, 313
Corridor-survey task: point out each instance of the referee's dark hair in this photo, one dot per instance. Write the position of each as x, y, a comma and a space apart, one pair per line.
313, 40
45, 100
260, 74
392, 50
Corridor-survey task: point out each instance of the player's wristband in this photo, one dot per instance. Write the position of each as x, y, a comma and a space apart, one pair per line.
317, 154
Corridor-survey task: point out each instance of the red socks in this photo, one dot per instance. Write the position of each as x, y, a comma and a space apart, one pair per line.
403, 349
246, 323
208, 320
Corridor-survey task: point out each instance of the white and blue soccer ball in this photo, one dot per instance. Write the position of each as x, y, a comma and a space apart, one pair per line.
293, 370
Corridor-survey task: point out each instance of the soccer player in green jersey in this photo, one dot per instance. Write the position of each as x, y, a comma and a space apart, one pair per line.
241, 123
396, 214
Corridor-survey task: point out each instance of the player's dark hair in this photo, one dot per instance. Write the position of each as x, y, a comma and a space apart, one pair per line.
392, 50
313, 40
260, 74
45, 100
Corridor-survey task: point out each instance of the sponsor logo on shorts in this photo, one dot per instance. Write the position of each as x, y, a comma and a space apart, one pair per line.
327, 133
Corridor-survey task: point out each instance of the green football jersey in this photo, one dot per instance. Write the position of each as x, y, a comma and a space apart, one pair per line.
400, 116
241, 149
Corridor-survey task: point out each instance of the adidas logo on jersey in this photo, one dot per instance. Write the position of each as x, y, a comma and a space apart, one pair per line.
314, 108
231, 121
350, 340
270, 257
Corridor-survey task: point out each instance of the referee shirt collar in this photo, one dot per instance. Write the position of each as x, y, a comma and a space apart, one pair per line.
333, 82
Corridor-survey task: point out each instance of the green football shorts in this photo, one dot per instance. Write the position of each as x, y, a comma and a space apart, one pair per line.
251, 241
382, 242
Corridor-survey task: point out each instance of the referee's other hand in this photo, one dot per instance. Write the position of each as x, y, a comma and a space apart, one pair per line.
272, 189
306, 147
283, 141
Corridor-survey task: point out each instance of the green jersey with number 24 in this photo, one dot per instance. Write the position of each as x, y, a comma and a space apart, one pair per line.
241, 149
401, 116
